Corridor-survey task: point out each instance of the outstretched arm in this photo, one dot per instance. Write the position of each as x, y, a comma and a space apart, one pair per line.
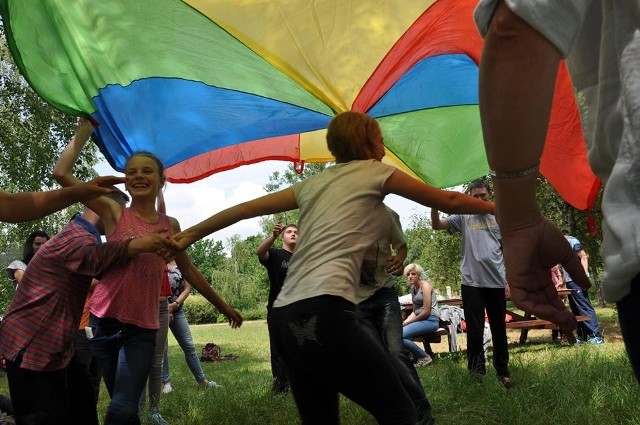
283, 200
451, 202
517, 78
193, 275
17, 207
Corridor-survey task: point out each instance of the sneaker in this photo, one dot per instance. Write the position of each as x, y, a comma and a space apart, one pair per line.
506, 382
157, 419
167, 388
423, 361
209, 384
595, 340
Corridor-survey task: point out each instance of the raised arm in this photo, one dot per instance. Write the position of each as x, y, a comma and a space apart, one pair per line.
283, 200
263, 249
517, 78
17, 207
108, 209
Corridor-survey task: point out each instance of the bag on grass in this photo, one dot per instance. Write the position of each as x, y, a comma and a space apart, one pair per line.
211, 353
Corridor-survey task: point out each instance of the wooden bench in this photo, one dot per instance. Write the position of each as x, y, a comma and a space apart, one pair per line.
524, 323
434, 337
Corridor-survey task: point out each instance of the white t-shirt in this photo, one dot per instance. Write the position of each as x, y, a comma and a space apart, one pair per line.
600, 41
341, 215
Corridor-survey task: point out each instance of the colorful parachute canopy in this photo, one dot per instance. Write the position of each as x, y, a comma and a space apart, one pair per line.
209, 85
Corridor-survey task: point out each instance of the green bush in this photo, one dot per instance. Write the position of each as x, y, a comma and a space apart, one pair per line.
257, 313
199, 311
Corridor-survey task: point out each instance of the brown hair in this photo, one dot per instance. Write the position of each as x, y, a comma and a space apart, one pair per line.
352, 136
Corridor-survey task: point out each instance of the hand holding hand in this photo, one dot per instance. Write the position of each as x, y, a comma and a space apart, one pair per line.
183, 240
155, 242
529, 253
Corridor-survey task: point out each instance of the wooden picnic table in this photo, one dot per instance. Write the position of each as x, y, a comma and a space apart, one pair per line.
526, 321
516, 320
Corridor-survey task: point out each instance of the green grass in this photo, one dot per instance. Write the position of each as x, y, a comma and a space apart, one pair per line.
553, 384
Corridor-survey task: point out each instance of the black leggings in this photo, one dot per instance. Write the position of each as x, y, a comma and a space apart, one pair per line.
628, 308
327, 353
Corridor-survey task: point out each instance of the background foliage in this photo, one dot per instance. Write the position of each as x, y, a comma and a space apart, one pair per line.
32, 135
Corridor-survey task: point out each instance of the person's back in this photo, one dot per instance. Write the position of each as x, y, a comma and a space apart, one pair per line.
341, 215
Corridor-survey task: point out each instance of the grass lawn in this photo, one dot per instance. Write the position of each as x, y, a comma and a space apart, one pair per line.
553, 384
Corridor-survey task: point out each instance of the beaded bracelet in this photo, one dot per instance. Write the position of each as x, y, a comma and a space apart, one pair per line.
514, 174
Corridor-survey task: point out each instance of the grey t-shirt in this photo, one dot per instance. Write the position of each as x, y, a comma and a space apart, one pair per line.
482, 264
373, 275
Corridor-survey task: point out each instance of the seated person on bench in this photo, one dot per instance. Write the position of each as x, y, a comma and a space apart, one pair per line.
425, 318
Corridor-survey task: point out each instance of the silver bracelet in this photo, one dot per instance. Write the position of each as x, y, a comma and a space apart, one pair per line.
514, 174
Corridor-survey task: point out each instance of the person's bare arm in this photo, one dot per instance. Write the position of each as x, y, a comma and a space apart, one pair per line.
451, 202
27, 206
395, 263
180, 299
283, 200
108, 209
263, 249
17, 275
437, 222
517, 79
193, 275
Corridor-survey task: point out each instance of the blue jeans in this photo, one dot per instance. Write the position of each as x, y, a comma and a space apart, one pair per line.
422, 327
581, 306
380, 317
124, 354
155, 374
180, 330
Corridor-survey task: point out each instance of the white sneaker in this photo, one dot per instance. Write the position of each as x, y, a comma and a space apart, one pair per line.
167, 388
423, 361
157, 419
210, 384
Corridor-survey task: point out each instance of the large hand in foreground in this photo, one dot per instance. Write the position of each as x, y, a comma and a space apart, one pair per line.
98, 187
529, 254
